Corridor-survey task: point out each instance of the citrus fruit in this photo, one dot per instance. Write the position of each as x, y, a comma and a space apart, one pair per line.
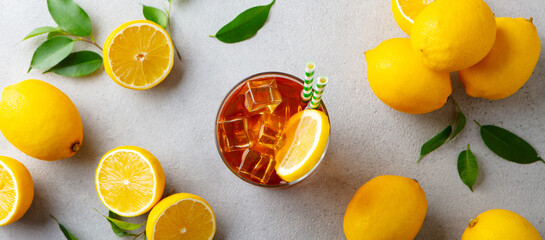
307, 134
40, 120
16, 190
129, 181
451, 35
405, 11
138, 54
500, 224
399, 79
181, 216
509, 64
385, 208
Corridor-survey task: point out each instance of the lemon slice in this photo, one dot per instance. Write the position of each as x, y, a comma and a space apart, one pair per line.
405, 12
16, 190
138, 54
129, 181
307, 133
181, 216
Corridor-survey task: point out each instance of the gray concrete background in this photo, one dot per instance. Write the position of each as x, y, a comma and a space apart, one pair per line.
175, 122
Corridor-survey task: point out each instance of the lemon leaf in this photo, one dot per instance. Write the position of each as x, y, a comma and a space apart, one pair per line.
67, 234
51, 52
115, 228
508, 146
39, 31
155, 15
468, 169
78, 64
435, 142
245, 25
70, 17
113, 219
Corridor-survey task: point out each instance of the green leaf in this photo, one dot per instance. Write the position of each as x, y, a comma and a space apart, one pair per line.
460, 124
155, 15
70, 17
435, 142
118, 231
51, 52
39, 31
124, 225
64, 230
121, 224
468, 169
78, 64
245, 25
508, 145
55, 34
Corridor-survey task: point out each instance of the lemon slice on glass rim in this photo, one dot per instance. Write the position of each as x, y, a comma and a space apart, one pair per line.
307, 135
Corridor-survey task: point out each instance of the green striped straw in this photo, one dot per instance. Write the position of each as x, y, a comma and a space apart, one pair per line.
317, 93
309, 79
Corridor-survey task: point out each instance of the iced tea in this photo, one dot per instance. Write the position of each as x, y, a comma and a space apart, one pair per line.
250, 125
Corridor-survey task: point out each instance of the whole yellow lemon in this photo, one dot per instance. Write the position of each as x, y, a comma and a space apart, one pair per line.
386, 208
40, 120
500, 224
399, 79
451, 35
510, 63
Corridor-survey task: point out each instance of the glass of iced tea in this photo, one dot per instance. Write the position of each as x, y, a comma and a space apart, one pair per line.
251, 123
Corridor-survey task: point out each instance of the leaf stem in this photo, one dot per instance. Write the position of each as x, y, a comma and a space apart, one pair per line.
92, 41
477, 123
170, 29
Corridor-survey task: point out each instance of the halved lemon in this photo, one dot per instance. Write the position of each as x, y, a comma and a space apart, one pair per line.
405, 11
138, 54
307, 133
129, 181
16, 190
181, 216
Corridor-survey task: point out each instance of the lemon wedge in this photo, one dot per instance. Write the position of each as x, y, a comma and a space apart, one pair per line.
307, 133
405, 12
138, 54
16, 190
181, 216
129, 181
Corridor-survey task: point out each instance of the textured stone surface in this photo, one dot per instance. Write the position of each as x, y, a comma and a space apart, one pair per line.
175, 121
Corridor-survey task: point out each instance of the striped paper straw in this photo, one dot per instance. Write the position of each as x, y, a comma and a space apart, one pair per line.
317, 93
309, 79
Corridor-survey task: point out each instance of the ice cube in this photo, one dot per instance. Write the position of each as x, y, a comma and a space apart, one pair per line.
261, 95
234, 132
264, 169
250, 159
271, 131
256, 166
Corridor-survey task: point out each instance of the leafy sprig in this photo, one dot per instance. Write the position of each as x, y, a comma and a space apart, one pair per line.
502, 142
55, 54
162, 18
